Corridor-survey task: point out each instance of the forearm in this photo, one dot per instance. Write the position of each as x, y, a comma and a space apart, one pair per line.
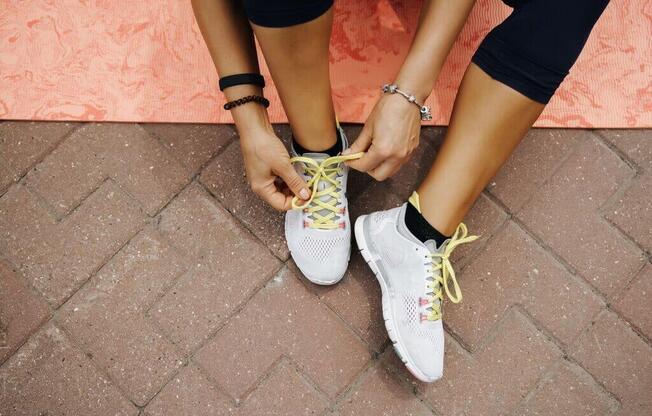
440, 23
230, 42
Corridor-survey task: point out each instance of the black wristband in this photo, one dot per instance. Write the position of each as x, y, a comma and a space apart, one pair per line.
248, 99
241, 79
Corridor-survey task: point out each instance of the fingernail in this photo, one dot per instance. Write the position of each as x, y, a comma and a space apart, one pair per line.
346, 151
304, 193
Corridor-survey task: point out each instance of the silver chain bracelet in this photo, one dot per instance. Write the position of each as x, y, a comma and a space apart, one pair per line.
423, 109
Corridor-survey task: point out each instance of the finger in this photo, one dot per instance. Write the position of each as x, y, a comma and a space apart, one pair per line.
386, 169
361, 143
292, 179
271, 194
368, 161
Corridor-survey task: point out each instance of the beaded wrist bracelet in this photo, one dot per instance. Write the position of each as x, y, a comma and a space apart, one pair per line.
423, 109
248, 99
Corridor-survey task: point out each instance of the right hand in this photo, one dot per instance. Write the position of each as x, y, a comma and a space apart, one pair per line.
266, 159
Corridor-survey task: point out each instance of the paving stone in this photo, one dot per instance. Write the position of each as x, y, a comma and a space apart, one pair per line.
493, 380
228, 265
125, 153
23, 143
225, 178
635, 143
284, 392
514, 270
283, 319
57, 257
434, 135
356, 299
107, 317
193, 144
21, 311
564, 213
533, 161
359, 184
190, 393
375, 197
636, 303
49, 376
569, 391
379, 393
6, 177
619, 359
632, 212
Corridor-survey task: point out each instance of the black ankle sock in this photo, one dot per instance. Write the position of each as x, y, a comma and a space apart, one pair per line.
334, 150
421, 228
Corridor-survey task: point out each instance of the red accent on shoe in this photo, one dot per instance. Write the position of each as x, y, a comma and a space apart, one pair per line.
423, 317
342, 225
423, 302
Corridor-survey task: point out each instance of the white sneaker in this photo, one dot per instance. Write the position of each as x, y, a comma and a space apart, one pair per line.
319, 233
413, 278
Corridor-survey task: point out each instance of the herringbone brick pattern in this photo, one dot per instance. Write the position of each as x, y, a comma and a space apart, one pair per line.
139, 276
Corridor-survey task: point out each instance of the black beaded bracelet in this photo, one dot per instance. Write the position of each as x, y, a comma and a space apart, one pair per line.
241, 79
248, 99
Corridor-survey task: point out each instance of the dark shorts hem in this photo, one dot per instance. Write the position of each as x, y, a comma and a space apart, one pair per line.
515, 70
269, 17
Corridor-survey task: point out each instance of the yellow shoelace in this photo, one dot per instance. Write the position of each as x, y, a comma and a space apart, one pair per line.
326, 171
441, 261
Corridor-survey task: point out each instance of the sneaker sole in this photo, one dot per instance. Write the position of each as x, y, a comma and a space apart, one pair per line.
388, 314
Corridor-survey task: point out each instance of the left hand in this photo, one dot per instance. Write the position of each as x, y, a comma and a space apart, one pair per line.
389, 137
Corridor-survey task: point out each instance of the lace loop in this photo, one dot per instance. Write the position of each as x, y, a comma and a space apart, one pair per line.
441, 262
326, 171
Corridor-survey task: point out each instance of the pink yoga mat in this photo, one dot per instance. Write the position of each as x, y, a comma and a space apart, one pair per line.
119, 60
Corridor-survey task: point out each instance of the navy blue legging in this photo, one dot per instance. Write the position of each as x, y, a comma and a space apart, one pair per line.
531, 51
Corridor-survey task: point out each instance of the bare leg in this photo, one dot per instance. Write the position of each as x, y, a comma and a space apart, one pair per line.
488, 121
297, 57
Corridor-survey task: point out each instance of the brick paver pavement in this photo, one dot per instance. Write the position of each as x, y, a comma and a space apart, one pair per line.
139, 276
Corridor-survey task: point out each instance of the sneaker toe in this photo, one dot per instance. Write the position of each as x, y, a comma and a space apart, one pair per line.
430, 369
425, 353
321, 272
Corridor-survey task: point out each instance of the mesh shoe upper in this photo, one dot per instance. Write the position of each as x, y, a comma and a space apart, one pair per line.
412, 272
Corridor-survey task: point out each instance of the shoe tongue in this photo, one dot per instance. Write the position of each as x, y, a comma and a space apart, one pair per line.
318, 157
431, 245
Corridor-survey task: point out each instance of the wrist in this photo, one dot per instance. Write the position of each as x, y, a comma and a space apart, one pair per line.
252, 132
419, 88
251, 120
395, 90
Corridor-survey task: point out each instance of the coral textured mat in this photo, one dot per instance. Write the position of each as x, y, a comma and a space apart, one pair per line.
125, 60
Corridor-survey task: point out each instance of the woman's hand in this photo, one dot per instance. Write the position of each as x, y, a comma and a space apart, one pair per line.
266, 159
389, 137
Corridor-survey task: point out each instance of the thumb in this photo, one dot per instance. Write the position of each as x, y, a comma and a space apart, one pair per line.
292, 179
362, 143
